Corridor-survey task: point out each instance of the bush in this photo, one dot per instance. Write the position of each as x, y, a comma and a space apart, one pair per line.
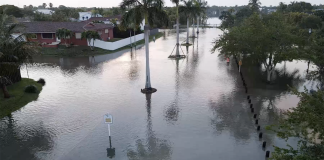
31, 89
41, 81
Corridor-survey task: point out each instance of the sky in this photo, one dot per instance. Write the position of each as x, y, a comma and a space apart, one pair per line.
115, 3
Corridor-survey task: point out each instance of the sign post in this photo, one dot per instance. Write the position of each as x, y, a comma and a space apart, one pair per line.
108, 119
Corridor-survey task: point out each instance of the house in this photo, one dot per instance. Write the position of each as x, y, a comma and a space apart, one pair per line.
44, 32
84, 16
106, 20
271, 10
45, 11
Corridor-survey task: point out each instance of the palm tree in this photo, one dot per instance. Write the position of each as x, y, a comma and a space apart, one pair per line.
188, 9
151, 11
177, 17
90, 36
201, 8
255, 5
63, 33
15, 50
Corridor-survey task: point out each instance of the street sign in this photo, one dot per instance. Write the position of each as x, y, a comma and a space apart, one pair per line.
108, 119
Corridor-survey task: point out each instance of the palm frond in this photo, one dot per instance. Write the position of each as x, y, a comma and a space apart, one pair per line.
155, 14
134, 16
128, 3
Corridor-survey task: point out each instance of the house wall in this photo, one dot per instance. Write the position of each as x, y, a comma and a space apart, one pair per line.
74, 41
41, 40
104, 36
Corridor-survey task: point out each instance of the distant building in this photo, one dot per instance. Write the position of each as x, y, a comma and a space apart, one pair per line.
106, 20
84, 16
319, 9
271, 10
45, 11
44, 32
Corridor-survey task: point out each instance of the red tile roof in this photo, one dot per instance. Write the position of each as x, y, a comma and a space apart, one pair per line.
51, 27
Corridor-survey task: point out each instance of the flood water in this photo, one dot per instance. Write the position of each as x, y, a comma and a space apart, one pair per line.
200, 110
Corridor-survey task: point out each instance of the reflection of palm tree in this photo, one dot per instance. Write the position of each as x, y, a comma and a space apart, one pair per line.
133, 71
152, 148
172, 112
15, 144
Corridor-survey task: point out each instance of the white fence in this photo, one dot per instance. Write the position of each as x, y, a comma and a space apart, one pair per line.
117, 44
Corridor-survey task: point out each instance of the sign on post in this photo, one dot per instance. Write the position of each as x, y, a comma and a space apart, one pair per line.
108, 119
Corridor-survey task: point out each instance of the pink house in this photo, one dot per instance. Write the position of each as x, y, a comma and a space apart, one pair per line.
44, 32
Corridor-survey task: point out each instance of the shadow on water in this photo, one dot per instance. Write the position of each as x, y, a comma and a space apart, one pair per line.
152, 147
15, 143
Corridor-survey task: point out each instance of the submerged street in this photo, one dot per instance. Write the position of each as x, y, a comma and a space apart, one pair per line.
200, 109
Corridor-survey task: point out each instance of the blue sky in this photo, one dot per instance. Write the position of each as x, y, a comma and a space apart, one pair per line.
111, 3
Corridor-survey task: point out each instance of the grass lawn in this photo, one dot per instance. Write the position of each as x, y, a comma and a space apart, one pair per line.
75, 51
18, 97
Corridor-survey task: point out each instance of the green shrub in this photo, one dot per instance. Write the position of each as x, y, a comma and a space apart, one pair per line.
41, 81
31, 89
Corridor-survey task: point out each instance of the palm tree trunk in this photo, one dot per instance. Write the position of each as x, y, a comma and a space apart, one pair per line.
5, 91
187, 30
146, 35
93, 44
197, 25
177, 49
193, 28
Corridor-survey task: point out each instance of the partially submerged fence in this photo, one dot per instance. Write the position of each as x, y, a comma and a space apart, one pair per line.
121, 43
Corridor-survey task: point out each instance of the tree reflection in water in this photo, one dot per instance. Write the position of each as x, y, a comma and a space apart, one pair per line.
232, 112
23, 143
134, 66
172, 112
151, 148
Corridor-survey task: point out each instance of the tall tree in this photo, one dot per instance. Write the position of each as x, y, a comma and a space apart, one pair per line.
177, 28
255, 5
268, 40
15, 50
51, 5
201, 6
189, 10
150, 11
44, 5
11, 10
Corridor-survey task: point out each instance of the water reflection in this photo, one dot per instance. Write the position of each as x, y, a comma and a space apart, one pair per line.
23, 143
153, 147
232, 112
133, 73
172, 111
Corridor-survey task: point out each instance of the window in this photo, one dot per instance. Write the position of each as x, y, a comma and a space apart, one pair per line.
47, 35
67, 37
100, 32
106, 30
33, 36
78, 35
